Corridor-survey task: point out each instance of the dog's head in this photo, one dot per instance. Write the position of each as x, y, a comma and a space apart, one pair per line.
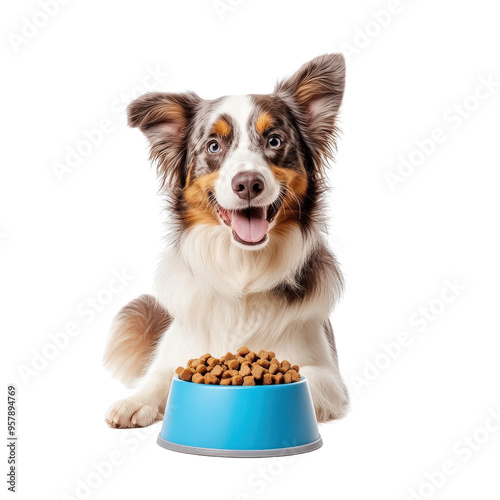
252, 163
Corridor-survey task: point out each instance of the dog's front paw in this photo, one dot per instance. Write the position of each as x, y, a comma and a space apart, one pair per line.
332, 412
127, 413
329, 394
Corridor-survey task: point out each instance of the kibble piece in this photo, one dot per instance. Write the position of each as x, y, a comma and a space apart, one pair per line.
278, 378
241, 359
248, 380
274, 368
294, 374
263, 354
296, 368
263, 362
198, 378
210, 378
234, 372
251, 356
205, 357
257, 372
196, 362
213, 362
189, 362
245, 369
274, 361
243, 351
226, 375
287, 377
233, 364
217, 371
237, 380
186, 374
225, 381
178, 370
224, 367
285, 366
227, 357
267, 379
271, 354
201, 369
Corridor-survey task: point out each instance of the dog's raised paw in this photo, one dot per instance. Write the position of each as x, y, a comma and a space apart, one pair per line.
129, 413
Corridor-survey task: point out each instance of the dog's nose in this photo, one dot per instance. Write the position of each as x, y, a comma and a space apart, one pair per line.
248, 185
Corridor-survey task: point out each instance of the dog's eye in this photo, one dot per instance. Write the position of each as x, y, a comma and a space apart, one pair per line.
214, 147
274, 142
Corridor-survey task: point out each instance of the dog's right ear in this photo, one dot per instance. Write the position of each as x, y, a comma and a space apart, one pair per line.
164, 119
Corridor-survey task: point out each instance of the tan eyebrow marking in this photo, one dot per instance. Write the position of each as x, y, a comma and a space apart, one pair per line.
264, 122
221, 127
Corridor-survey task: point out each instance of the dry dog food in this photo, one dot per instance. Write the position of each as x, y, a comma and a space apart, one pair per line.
246, 367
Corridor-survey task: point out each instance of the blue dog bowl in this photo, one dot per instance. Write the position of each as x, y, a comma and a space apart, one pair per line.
240, 421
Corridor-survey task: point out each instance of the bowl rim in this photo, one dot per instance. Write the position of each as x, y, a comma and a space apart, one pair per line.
302, 380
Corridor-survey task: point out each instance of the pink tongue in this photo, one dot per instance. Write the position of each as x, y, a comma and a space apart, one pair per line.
251, 229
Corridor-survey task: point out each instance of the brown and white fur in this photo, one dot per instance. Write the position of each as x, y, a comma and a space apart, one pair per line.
248, 263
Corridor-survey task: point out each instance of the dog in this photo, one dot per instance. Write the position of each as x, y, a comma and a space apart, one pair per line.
247, 263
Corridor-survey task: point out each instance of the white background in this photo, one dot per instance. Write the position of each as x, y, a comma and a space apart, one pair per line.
62, 238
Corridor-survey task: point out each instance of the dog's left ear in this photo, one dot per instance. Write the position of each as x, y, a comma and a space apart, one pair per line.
315, 94
165, 120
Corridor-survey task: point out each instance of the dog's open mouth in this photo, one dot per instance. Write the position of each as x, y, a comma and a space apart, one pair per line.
249, 225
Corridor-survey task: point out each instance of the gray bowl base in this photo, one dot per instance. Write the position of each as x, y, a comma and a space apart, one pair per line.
211, 452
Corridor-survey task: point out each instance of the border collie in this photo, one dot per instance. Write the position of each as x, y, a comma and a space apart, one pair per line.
248, 263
